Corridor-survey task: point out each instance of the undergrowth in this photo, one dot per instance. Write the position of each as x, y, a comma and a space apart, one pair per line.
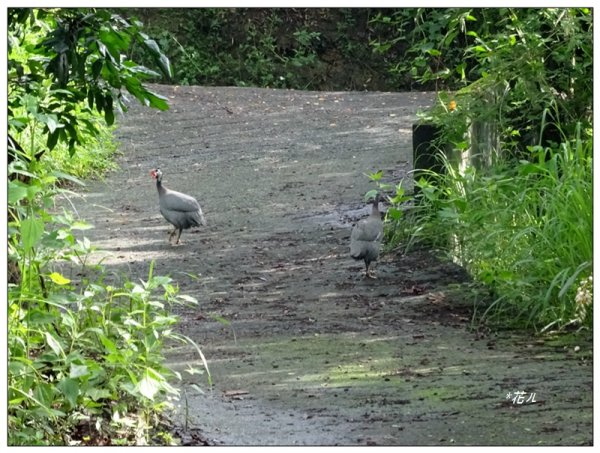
524, 230
85, 357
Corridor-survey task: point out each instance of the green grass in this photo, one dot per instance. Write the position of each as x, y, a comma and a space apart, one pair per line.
92, 160
523, 229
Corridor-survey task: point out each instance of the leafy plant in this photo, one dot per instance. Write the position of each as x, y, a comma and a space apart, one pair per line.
525, 231
90, 366
300, 48
73, 61
514, 119
85, 363
503, 66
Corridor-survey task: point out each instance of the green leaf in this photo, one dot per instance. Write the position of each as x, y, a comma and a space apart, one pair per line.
16, 191
157, 101
370, 194
567, 285
134, 86
90, 98
165, 66
18, 123
32, 229
114, 42
77, 371
30, 103
70, 389
54, 344
99, 100
479, 49
108, 344
40, 317
148, 386
53, 139
109, 116
44, 394
97, 393
55, 412
375, 176
52, 124
59, 279
132, 322
159, 58
152, 47
394, 213
141, 70
448, 213
71, 178
97, 68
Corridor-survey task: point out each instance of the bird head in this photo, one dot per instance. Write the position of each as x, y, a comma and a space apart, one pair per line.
156, 174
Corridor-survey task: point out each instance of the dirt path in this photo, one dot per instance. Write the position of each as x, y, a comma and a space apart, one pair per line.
315, 354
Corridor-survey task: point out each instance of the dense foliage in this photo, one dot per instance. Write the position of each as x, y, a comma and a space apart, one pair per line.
514, 205
523, 230
318, 48
527, 71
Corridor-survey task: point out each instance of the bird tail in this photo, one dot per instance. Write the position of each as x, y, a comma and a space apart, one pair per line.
199, 218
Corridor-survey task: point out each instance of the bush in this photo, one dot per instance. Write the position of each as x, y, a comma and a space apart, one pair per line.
523, 230
514, 110
503, 66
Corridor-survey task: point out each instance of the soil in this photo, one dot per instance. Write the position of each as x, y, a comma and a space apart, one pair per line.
316, 354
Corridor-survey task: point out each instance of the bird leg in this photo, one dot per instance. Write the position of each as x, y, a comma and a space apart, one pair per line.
172, 234
178, 236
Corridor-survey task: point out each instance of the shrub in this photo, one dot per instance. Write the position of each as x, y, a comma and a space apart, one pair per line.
523, 230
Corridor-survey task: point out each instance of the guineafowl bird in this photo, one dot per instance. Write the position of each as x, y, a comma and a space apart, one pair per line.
366, 237
180, 210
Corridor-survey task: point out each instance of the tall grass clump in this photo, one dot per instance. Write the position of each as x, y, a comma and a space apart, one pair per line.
93, 160
524, 230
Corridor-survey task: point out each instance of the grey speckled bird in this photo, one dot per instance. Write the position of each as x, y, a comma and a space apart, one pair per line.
366, 237
179, 209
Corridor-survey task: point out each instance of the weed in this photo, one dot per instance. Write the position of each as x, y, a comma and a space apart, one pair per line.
525, 231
